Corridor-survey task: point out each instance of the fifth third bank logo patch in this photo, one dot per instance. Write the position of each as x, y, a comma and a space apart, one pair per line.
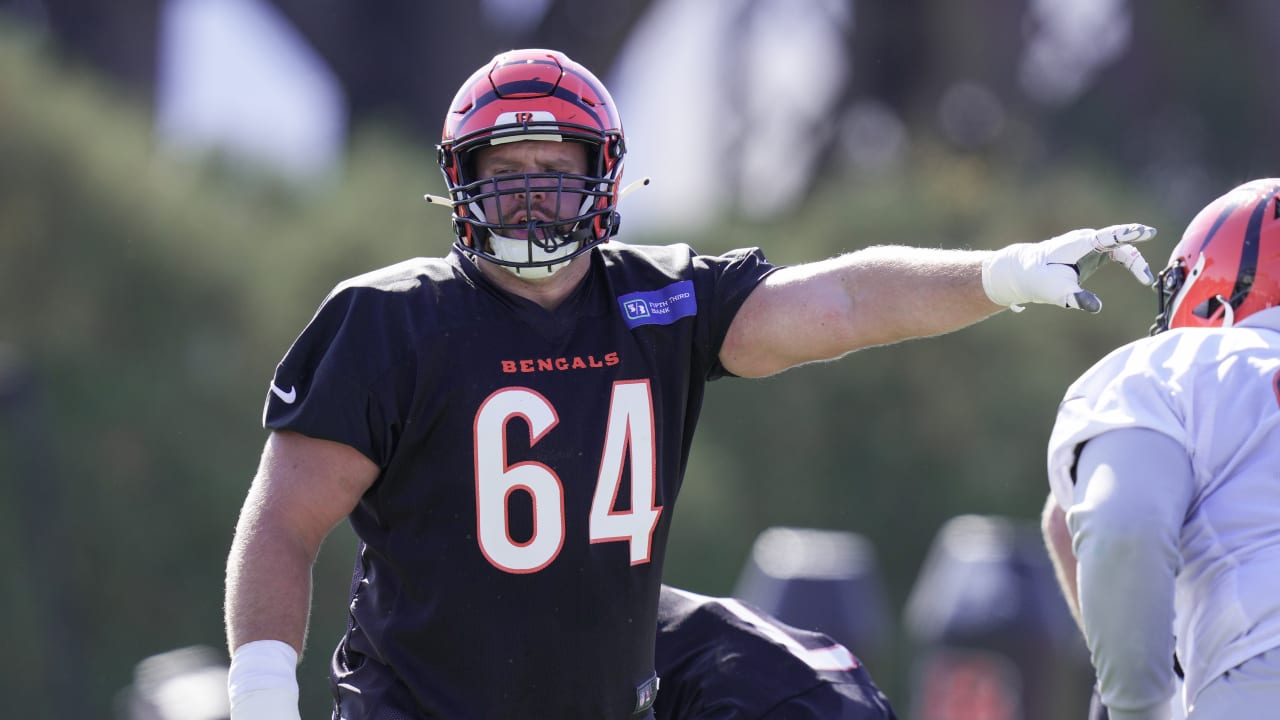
636, 309
659, 307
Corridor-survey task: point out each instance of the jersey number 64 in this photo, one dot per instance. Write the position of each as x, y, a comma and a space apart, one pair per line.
630, 425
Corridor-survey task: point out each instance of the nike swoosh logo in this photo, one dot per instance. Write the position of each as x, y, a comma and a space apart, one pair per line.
287, 396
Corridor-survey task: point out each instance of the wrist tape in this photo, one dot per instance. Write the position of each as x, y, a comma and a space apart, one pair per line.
262, 683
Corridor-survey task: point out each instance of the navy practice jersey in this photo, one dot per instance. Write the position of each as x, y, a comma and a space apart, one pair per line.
722, 659
512, 545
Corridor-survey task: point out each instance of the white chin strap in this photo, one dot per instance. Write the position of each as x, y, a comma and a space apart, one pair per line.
514, 250
1228, 313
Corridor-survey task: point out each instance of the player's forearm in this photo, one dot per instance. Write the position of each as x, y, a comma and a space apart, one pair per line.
1057, 541
897, 293
268, 592
268, 600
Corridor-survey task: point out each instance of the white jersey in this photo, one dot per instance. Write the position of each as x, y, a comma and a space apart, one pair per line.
1217, 393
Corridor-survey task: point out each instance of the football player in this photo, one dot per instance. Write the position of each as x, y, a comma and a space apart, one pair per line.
722, 659
506, 428
1164, 465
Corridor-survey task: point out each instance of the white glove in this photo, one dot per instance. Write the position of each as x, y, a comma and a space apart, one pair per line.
262, 683
1051, 271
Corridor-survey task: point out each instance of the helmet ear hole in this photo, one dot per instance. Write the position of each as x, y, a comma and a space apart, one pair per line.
465, 233
1208, 308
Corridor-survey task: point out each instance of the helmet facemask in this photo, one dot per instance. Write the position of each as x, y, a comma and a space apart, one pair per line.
527, 221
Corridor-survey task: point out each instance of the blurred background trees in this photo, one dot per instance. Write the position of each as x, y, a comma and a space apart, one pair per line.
153, 268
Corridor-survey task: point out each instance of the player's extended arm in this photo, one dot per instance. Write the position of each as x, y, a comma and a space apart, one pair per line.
1057, 541
880, 295
303, 488
1133, 487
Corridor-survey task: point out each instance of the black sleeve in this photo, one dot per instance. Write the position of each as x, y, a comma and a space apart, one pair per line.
331, 383
735, 275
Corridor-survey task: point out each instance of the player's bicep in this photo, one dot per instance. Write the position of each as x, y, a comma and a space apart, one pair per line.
306, 485
796, 315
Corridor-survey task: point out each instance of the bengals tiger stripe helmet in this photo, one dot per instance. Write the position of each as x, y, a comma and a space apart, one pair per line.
533, 95
1227, 265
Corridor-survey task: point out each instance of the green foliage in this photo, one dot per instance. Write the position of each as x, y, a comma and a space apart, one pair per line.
149, 296
144, 300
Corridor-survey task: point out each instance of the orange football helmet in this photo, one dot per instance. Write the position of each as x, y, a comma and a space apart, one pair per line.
1227, 265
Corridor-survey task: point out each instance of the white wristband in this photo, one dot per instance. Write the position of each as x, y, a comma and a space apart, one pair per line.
262, 683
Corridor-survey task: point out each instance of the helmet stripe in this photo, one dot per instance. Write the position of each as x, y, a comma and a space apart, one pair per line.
1248, 268
1228, 210
505, 92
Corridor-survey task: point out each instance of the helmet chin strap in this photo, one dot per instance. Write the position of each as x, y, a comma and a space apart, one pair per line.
522, 251
517, 250
1228, 312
